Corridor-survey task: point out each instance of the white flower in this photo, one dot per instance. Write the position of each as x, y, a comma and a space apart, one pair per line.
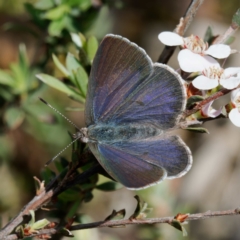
234, 114
208, 111
194, 57
212, 76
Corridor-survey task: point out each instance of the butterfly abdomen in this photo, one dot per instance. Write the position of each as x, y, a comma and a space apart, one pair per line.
113, 133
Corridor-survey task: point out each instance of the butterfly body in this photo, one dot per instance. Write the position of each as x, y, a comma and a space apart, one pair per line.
131, 109
107, 133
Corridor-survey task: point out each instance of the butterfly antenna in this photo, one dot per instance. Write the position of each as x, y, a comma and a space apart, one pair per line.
76, 136
51, 160
54, 109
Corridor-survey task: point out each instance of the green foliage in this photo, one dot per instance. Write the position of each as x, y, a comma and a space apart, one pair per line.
236, 18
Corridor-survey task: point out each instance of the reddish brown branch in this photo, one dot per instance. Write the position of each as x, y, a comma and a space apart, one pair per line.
213, 97
124, 222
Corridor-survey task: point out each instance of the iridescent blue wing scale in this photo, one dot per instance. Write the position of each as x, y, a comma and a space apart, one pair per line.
129, 169
118, 68
125, 86
138, 164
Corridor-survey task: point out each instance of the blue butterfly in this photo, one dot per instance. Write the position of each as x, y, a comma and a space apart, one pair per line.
131, 108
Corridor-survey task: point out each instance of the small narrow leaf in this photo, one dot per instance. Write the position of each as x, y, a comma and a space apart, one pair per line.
40, 224
109, 186
55, 83
6, 79
92, 46
44, 4
14, 117
81, 78
72, 63
73, 209
60, 66
178, 225
76, 40
193, 100
116, 215
229, 40
236, 18
197, 129
208, 35
141, 210
32, 221
57, 12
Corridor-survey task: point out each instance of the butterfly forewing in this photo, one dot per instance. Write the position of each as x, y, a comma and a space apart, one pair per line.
118, 68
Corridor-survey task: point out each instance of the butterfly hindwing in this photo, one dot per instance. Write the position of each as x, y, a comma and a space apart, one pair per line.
138, 164
130, 170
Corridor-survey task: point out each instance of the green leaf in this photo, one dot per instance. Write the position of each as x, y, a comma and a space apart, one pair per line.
84, 4
193, 100
72, 63
5, 78
61, 165
55, 83
141, 210
60, 66
92, 46
57, 12
44, 4
229, 40
88, 197
208, 35
32, 221
40, 224
23, 60
76, 40
197, 129
73, 209
55, 28
14, 117
178, 225
81, 78
116, 215
236, 18
47, 174
70, 195
109, 186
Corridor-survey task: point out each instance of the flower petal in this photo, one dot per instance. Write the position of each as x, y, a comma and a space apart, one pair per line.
235, 94
192, 62
204, 83
219, 51
230, 83
231, 71
234, 116
170, 39
208, 111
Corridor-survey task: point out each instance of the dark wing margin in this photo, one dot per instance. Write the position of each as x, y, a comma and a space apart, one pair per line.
140, 164
118, 68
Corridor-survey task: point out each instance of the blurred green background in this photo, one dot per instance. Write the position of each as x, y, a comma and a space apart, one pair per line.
31, 133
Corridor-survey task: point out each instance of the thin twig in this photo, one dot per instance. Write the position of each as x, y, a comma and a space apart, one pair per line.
45, 196
124, 222
182, 27
229, 32
199, 106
